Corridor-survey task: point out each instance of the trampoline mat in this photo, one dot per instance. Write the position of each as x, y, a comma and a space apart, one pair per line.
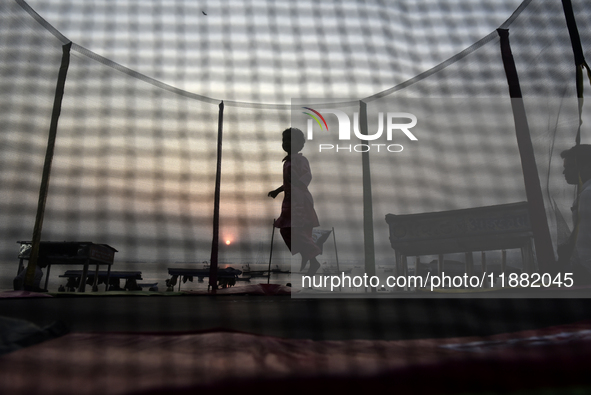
154, 363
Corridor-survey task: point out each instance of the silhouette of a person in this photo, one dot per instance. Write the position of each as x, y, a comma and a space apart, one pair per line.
298, 216
576, 251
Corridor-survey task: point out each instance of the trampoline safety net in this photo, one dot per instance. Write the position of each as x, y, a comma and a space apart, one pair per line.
136, 147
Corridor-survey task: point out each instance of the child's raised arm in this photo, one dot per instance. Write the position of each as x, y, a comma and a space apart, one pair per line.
276, 192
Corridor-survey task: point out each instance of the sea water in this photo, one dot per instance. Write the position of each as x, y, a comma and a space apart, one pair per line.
157, 272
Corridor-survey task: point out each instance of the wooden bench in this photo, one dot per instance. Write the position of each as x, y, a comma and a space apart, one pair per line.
499, 227
81, 253
226, 277
112, 279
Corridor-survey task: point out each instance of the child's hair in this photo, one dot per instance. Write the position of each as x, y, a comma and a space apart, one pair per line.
581, 153
297, 138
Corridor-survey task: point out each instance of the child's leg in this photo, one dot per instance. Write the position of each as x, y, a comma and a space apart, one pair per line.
303, 264
314, 266
286, 234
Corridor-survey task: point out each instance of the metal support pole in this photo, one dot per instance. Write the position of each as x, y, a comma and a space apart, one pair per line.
213, 268
579, 58
57, 108
533, 190
368, 237
336, 253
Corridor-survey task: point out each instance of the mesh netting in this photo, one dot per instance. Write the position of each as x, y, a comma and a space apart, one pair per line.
271, 52
136, 163
135, 159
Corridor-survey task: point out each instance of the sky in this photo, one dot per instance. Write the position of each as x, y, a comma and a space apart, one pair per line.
272, 51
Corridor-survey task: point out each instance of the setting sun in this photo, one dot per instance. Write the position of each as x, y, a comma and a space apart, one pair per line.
228, 242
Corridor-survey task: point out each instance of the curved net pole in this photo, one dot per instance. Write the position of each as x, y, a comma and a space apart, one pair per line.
533, 190
579, 57
213, 268
43, 190
368, 237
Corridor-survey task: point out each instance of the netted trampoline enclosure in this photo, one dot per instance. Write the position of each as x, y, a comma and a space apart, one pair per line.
434, 145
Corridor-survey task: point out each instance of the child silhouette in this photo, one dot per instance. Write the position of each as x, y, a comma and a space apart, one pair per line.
298, 216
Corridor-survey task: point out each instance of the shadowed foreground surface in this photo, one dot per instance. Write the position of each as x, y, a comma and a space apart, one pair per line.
188, 344
90, 363
317, 319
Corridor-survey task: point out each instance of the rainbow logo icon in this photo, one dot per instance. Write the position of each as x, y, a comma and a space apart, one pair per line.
315, 118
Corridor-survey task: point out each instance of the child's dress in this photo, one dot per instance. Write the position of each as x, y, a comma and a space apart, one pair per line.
298, 216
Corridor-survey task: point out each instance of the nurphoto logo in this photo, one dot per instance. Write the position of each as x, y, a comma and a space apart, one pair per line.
393, 123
